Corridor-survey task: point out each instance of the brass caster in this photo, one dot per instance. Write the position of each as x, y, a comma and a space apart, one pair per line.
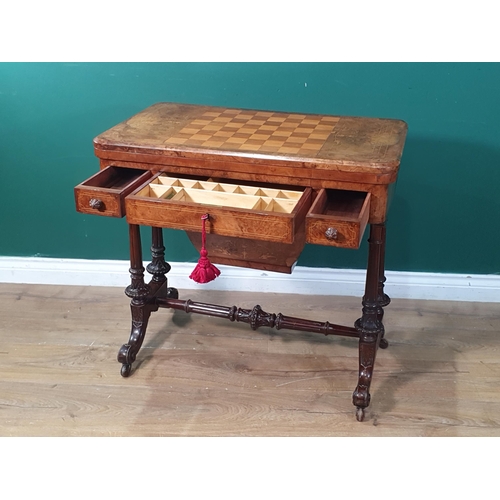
125, 370
360, 414
383, 344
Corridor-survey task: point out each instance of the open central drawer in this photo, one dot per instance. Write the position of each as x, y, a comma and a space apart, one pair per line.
266, 212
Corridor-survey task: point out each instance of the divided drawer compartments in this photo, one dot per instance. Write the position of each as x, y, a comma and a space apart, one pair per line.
338, 218
264, 212
104, 192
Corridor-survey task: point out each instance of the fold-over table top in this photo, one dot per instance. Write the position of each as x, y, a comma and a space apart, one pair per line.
372, 146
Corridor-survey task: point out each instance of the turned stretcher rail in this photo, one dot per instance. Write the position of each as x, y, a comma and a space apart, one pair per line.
256, 317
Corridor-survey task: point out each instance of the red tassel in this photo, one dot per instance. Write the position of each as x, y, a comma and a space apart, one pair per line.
204, 271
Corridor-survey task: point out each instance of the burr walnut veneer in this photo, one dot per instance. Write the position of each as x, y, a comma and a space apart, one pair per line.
270, 182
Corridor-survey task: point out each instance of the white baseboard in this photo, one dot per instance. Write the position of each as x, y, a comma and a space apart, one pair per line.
303, 280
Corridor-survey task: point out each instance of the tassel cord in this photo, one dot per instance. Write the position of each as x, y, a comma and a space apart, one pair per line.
205, 271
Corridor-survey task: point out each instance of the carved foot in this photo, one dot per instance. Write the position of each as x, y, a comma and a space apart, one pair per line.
128, 352
125, 370
361, 396
172, 293
360, 414
384, 344
367, 352
126, 357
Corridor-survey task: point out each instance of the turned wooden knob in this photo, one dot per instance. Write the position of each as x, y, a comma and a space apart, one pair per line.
96, 204
331, 234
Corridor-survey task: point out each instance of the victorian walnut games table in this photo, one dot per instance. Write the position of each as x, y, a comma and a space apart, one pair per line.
266, 184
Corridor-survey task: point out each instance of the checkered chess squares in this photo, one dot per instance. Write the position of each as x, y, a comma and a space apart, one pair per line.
257, 131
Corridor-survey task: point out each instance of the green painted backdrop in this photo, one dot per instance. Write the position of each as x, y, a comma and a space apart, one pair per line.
445, 214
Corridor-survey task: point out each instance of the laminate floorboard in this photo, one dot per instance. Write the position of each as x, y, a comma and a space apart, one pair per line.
201, 376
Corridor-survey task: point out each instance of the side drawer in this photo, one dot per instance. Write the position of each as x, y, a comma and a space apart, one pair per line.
338, 218
104, 192
263, 212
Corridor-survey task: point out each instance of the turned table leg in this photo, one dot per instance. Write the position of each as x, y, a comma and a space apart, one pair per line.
383, 299
369, 326
159, 268
139, 292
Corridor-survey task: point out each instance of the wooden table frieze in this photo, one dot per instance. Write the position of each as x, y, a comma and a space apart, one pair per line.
270, 182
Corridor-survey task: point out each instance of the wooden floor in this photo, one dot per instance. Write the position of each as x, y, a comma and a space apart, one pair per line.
200, 376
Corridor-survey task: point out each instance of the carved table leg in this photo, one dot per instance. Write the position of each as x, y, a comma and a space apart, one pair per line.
138, 291
370, 327
158, 267
383, 299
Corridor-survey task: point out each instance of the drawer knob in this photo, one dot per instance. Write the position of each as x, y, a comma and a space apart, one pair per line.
331, 234
96, 204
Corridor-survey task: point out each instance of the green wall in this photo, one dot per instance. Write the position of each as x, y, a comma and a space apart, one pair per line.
445, 213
